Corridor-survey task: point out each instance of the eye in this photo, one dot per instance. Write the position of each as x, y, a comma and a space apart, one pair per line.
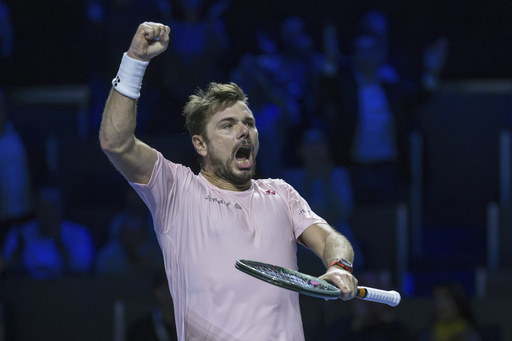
250, 124
227, 126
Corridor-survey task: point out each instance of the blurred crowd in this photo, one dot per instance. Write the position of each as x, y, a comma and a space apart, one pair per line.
334, 122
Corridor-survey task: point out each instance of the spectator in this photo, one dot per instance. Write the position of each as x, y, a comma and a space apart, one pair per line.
103, 30
270, 104
377, 24
131, 250
369, 321
15, 182
453, 317
298, 65
399, 62
134, 209
372, 115
159, 324
199, 43
49, 246
326, 187
290, 66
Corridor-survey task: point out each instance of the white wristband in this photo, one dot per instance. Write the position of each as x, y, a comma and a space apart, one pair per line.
129, 77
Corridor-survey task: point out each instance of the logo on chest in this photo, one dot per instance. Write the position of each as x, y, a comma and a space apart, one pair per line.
218, 201
222, 202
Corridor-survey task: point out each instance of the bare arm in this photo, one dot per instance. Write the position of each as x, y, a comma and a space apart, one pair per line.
329, 245
133, 158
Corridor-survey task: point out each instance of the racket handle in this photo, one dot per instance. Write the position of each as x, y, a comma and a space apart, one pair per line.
391, 297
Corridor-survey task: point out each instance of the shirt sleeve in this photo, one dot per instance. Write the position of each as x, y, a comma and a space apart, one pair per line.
160, 193
300, 212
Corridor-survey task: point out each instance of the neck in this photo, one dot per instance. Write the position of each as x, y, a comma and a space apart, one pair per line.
224, 183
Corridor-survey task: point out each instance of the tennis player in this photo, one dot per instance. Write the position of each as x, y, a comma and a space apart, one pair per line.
205, 222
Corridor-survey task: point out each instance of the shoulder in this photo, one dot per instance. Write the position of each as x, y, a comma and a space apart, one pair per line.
270, 183
165, 170
278, 185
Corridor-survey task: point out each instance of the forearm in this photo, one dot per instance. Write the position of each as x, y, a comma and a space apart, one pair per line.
337, 246
118, 123
329, 245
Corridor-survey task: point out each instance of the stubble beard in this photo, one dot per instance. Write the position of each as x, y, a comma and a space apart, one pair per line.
224, 170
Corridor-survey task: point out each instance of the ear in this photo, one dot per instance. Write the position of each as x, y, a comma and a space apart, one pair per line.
200, 145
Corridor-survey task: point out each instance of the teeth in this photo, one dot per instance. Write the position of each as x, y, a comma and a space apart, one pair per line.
244, 161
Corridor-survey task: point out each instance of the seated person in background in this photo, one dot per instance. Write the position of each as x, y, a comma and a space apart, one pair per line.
200, 41
369, 321
49, 246
325, 186
159, 324
271, 107
134, 209
453, 317
132, 251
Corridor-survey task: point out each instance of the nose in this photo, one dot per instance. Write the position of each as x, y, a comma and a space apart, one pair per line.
243, 131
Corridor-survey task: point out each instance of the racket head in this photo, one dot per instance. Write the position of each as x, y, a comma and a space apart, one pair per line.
289, 279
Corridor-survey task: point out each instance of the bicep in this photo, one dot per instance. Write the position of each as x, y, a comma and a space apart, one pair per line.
136, 163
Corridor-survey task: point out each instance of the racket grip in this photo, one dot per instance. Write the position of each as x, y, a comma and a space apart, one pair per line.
391, 297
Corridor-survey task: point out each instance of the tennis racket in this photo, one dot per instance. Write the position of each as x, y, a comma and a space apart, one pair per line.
310, 285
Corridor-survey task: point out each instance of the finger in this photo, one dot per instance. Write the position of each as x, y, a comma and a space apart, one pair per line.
348, 287
338, 281
151, 30
164, 33
147, 30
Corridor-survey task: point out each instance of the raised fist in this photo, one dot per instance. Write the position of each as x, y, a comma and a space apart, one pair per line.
150, 40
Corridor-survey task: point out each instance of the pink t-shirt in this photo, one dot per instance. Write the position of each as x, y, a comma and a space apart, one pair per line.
203, 230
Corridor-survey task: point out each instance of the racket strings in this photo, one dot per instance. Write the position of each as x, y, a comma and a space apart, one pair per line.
291, 278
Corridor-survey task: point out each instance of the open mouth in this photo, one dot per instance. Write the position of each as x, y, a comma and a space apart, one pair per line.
243, 155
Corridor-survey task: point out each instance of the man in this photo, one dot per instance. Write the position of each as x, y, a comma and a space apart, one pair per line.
49, 246
370, 111
205, 222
